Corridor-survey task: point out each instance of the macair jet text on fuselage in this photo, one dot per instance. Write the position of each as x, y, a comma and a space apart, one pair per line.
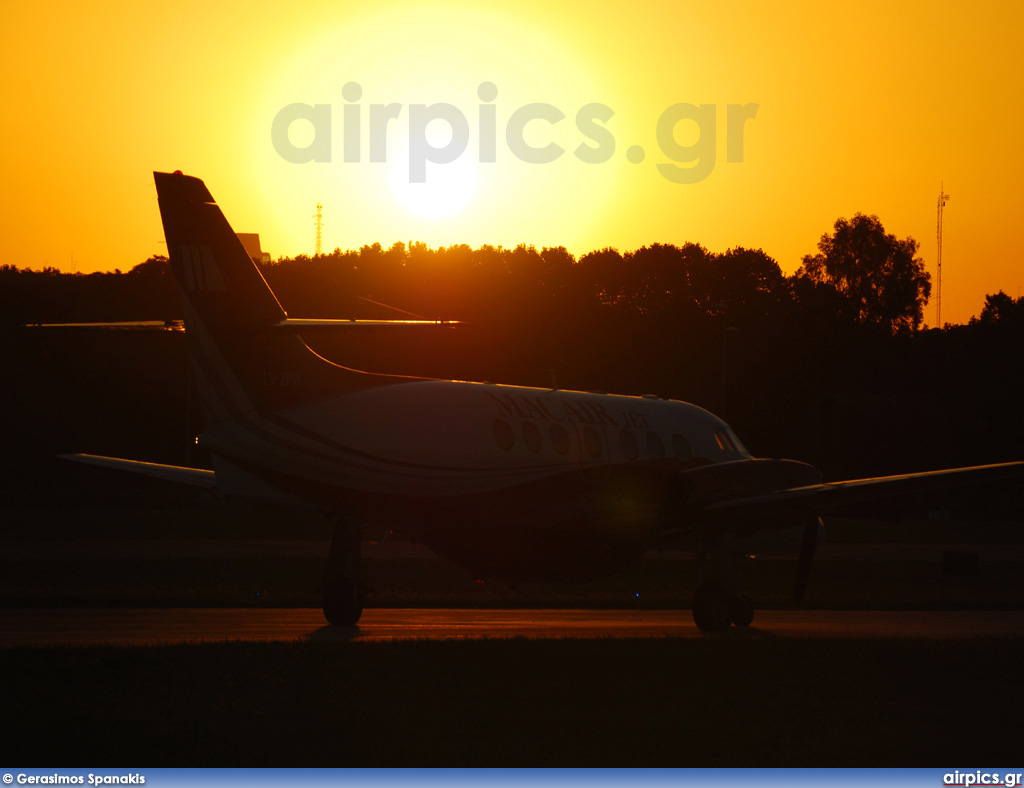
552, 407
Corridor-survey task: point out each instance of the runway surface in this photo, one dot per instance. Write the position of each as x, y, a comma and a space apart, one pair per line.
135, 549
149, 627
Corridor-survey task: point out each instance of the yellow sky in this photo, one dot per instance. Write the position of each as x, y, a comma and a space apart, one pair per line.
865, 108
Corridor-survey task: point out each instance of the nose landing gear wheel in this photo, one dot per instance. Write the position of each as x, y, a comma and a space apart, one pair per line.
741, 609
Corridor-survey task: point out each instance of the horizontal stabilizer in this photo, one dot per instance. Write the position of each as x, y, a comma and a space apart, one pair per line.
120, 325
198, 477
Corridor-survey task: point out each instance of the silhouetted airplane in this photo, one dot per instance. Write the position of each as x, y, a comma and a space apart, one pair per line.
514, 483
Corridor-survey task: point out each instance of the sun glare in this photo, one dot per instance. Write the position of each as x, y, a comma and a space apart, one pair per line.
447, 188
475, 68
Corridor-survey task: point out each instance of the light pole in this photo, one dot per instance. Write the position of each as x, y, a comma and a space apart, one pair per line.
725, 345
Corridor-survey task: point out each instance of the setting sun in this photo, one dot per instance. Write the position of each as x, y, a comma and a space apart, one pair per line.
445, 190
795, 119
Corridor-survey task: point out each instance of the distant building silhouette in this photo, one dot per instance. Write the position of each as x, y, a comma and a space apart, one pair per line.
251, 242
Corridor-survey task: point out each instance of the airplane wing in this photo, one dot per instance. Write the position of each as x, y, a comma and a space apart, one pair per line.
288, 325
304, 325
819, 498
198, 477
803, 505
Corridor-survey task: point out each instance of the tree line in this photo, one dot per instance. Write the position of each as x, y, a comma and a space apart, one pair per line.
828, 365
860, 276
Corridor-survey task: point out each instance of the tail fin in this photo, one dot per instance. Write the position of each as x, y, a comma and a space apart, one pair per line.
216, 273
241, 363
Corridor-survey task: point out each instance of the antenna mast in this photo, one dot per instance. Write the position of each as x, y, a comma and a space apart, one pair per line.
318, 247
938, 234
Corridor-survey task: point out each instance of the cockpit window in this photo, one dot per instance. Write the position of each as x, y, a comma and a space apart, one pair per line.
736, 442
727, 441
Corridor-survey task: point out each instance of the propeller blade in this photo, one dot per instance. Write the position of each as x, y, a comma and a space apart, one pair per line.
808, 544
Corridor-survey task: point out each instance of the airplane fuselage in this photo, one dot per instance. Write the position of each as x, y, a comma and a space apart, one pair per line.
466, 466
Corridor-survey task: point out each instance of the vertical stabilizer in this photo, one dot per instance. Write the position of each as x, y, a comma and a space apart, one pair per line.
216, 273
242, 363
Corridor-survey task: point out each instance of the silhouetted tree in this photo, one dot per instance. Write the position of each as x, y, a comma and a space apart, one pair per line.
604, 271
745, 282
1001, 309
155, 266
880, 275
660, 276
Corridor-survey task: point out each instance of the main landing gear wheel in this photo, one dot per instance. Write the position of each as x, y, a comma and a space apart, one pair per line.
344, 595
343, 600
717, 601
715, 611
710, 607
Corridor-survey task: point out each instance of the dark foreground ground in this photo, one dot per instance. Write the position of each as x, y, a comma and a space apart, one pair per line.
655, 702
713, 702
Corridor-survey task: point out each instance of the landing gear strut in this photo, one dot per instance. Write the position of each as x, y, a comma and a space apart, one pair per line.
344, 594
717, 600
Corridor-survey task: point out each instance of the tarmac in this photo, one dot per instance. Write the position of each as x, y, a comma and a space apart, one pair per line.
168, 626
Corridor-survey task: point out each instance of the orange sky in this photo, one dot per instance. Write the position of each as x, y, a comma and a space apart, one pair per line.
865, 108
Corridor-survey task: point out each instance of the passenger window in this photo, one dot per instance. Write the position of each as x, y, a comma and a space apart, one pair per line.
681, 448
629, 445
592, 441
503, 434
559, 439
532, 436
655, 446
